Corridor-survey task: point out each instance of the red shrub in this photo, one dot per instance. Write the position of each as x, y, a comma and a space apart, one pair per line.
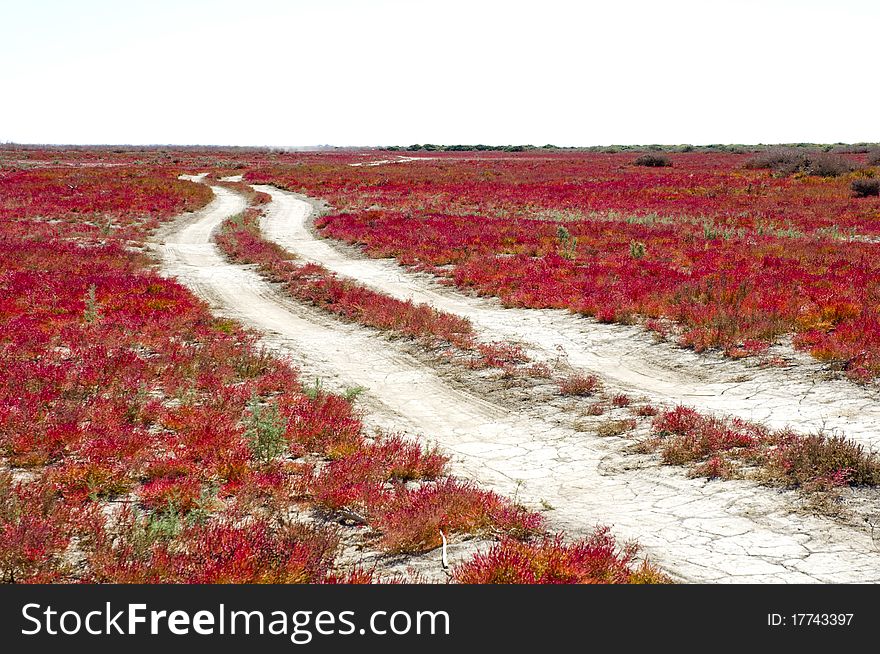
358, 480
499, 355
404, 460
690, 436
325, 424
823, 462
596, 560
412, 519
216, 552
180, 494
579, 385
34, 532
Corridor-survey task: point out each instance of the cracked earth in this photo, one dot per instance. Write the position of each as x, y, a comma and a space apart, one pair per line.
696, 530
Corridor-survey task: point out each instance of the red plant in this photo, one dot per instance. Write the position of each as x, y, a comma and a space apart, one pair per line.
212, 553
595, 560
34, 532
180, 494
811, 461
690, 436
358, 480
732, 258
499, 355
596, 409
579, 384
411, 520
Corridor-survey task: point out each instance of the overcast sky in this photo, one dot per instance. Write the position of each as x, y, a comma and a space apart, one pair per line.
342, 72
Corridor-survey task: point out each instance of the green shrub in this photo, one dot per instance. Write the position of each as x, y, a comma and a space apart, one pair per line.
865, 187
636, 249
266, 432
652, 160
787, 161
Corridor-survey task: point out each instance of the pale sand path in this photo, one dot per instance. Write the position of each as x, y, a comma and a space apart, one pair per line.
626, 356
698, 531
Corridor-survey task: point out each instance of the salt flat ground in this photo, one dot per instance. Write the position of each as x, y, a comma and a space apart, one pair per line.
696, 530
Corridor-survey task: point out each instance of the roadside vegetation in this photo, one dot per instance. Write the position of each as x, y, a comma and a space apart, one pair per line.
143, 440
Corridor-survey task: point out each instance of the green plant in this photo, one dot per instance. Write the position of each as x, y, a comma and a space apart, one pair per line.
710, 232
636, 249
163, 525
314, 391
864, 187
353, 392
204, 505
266, 431
567, 243
652, 160
92, 312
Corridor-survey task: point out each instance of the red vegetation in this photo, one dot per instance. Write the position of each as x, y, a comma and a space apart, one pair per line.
596, 560
95, 202
718, 447
621, 400
734, 257
119, 384
579, 384
211, 553
411, 520
359, 481
241, 240
35, 530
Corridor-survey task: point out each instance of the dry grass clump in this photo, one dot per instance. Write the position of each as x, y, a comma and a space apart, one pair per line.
579, 385
615, 427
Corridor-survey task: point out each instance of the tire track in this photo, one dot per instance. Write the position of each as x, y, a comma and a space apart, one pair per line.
698, 531
623, 355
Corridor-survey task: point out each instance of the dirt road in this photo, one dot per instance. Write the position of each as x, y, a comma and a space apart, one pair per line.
797, 396
697, 531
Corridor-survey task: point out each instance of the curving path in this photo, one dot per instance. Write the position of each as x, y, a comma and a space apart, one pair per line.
624, 355
698, 531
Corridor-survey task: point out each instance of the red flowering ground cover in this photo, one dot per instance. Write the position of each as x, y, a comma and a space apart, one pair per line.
143, 440
717, 254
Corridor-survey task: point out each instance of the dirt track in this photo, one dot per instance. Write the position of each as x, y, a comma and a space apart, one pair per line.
626, 356
696, 530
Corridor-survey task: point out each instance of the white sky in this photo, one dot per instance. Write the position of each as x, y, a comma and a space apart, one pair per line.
300, 72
